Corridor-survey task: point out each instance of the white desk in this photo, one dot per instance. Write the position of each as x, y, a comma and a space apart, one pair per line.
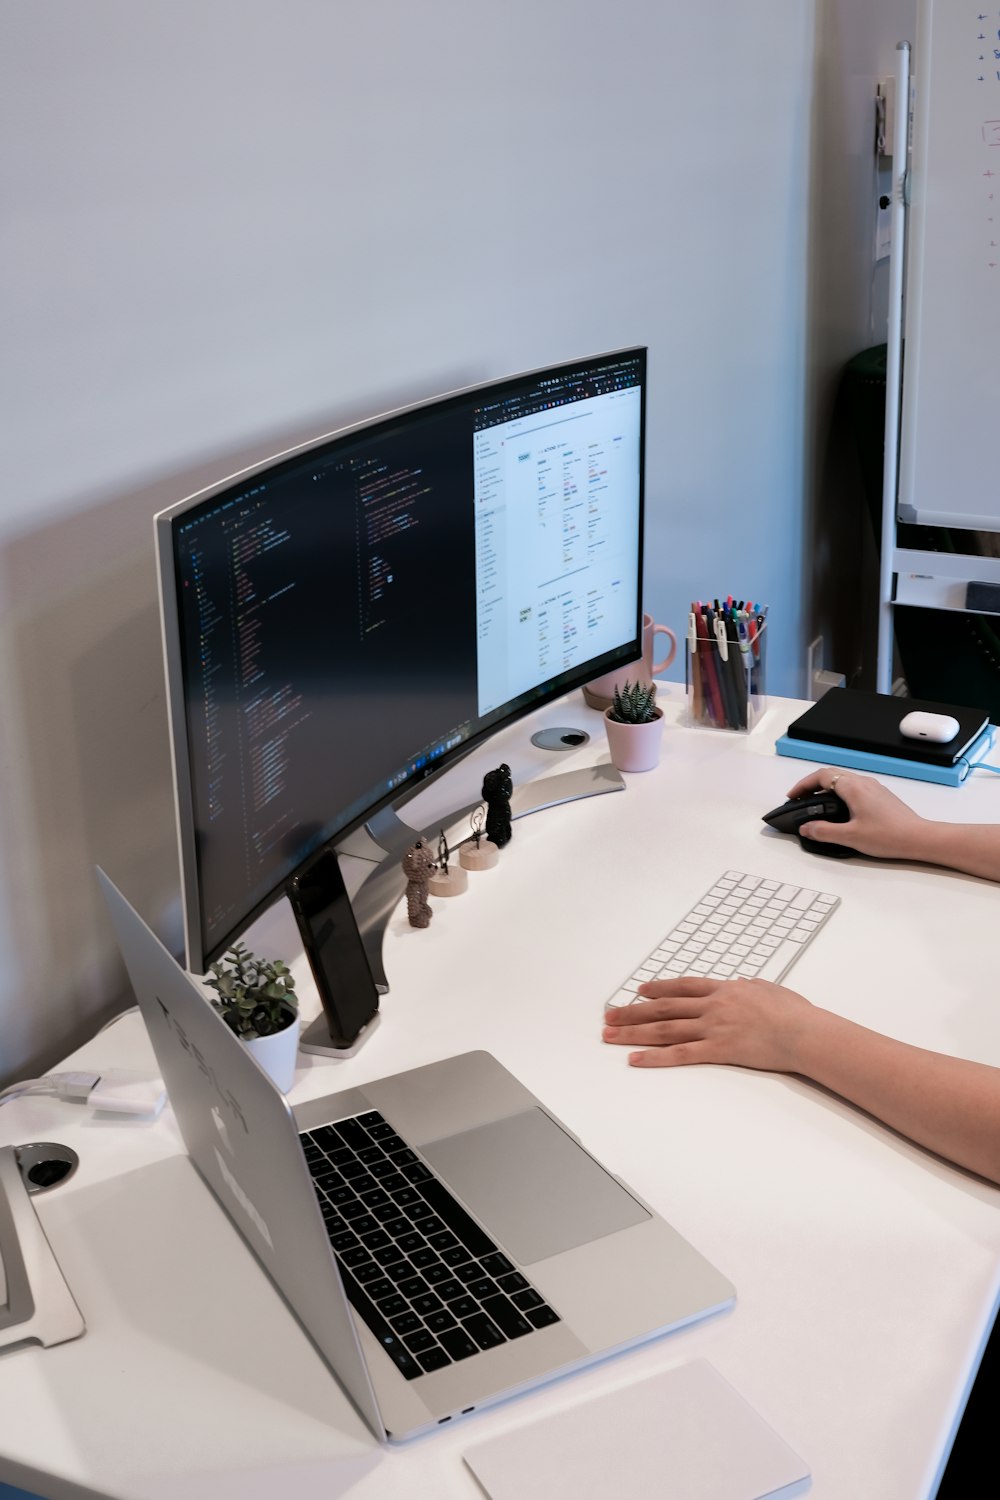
866, 1269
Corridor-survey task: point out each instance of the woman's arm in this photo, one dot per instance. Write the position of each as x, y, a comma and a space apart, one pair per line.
882, 825
947, 1104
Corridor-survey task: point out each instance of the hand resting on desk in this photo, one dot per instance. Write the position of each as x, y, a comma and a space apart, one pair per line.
883, 826
948, 1104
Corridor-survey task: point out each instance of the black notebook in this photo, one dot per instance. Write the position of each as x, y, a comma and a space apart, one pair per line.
859, 720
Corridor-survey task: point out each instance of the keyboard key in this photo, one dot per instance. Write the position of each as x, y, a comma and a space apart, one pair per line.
506, 1316
541, 1317
434, 1359
458, 1343
419, 1341
485, 1332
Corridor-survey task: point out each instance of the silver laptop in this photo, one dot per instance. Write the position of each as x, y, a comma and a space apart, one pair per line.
444, 1241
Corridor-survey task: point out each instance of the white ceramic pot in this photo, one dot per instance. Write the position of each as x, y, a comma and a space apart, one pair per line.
277, 1053
635, 747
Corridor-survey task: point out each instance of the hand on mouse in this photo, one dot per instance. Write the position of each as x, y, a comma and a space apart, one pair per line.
880, 824
748, 1022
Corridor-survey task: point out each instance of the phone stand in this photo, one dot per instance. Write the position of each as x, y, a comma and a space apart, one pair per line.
316, 1037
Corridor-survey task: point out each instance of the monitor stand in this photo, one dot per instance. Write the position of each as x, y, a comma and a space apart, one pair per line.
386, 838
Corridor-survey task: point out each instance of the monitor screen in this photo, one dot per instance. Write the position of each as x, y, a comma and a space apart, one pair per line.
347, 618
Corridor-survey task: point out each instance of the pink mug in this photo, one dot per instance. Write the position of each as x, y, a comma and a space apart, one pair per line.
645, 667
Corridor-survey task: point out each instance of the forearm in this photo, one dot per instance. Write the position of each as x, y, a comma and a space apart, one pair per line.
948, 1104
972, 847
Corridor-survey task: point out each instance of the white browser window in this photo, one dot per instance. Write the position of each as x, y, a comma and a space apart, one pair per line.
557, 504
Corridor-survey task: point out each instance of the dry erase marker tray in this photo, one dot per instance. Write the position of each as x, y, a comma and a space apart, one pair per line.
726, 667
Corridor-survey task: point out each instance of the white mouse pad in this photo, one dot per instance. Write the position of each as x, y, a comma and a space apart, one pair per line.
684, 1434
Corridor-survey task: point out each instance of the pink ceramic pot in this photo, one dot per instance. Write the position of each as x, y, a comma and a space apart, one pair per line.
635, 747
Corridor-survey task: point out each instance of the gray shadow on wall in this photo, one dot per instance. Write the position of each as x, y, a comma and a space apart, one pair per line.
85, 777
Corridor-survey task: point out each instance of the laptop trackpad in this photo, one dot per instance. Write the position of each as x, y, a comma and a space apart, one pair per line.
532, 1186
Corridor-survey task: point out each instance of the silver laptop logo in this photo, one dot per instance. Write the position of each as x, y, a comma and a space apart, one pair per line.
242, 1199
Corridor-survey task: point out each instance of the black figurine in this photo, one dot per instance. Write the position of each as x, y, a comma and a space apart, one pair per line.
497, 789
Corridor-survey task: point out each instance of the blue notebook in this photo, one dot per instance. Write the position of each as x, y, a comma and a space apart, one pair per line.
888, 765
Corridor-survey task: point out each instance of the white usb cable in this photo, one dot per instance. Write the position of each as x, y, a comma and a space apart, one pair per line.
126, 1091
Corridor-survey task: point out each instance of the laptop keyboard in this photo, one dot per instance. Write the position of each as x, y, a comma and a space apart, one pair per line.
744, 927
425, 1277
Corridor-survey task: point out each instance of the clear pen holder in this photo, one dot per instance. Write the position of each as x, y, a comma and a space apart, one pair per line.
725, 681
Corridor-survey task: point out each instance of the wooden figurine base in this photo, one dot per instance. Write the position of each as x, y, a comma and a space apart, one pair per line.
483, 858
449, 883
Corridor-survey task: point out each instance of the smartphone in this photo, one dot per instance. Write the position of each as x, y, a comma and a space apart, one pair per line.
334, 947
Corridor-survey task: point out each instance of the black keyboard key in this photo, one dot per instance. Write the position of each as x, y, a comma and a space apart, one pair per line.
375, 1199
409, 1240
440, 1321
392, 1142
414, 1287
380, 1167
527, 1300
418, 1211
444, 1241
470, 1271
369, 1271
325, 1136
461, 1224
406, 1196
366, 1224
463, 1306
356, 1256
352, 1134
453, 1255
515, 1282
419, 1341
449, 1290
388, 1216
404, 1158
352, 1169
407, 1322
388, 1255
434, 1359
541, 1317
392, 1307
400, 1270
381, 1132
378, 1288
432, 1226
370, 1155
353, 1209
417, 1173
341, 1195
506, 1316
318, 1165
345, 1240
363, 1184
389, 1340
436, 1271
497, 1264
424, 1257
394, 1183
482, 1288
370, 1118
426, 1304
483, 1329
458, 1343
376, 1239
328, 1180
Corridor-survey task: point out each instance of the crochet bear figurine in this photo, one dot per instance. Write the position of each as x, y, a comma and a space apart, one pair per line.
497, 789
418, 862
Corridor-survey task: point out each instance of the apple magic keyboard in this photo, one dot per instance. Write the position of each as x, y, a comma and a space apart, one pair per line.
743, 927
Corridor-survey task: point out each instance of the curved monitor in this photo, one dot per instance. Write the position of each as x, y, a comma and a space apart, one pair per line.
346, 619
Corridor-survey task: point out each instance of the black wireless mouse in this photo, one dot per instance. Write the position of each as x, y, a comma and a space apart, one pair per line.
820, 806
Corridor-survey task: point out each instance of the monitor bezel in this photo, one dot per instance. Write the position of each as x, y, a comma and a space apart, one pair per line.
198, 953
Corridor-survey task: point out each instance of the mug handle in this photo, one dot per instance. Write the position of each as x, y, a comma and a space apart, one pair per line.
662, 666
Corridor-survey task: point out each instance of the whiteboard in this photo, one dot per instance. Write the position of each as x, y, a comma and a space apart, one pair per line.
950, 434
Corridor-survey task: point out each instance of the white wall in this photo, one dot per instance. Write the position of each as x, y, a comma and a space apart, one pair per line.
234, 224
